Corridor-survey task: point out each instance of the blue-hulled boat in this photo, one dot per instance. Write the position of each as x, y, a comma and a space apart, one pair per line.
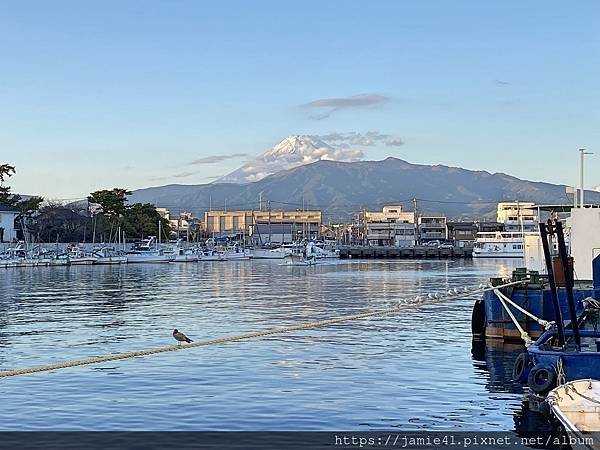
560, 314
491, 320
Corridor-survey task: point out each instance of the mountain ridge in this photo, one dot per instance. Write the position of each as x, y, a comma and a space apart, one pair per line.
340, 189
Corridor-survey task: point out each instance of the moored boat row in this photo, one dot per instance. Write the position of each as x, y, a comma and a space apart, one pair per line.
150, 251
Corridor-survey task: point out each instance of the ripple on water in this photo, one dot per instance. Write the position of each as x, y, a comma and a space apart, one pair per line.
411, 370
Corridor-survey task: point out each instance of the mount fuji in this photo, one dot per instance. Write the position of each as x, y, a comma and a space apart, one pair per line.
293, 151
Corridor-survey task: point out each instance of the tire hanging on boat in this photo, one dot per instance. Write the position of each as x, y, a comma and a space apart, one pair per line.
522, 368
542, 378
478, 319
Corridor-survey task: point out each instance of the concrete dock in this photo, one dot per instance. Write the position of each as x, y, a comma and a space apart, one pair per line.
419, 252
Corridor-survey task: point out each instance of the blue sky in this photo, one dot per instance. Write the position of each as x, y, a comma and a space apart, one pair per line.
101, 94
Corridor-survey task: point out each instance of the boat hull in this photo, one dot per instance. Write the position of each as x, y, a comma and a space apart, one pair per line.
576, 405
497, 255
140, 259
112, 260
83, 261
498, 323
268, 254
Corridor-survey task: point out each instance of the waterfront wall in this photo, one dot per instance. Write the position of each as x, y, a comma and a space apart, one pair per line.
364, 252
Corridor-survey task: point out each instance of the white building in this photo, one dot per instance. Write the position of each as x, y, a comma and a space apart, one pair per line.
518, 216
164, 213
7, 223
391, 226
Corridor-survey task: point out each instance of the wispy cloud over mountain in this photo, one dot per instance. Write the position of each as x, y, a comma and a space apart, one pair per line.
183, 174
325, 107
218, 158
368, 139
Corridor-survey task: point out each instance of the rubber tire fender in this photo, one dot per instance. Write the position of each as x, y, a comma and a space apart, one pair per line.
478, 319
541, 378
522, 368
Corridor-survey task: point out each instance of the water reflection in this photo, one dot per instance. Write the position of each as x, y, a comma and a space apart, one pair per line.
497, 358
532, 420
410, 371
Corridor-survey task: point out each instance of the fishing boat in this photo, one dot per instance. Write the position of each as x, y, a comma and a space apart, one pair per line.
324, 251
301, 256
78, 256
210, 254
147, 251
13, 255
182, 253
299, 260
108, 255
568, 349
236, 252
186, 255
269, 253
576, 405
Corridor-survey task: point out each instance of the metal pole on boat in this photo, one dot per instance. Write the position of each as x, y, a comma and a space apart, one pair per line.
548, 257
562, 252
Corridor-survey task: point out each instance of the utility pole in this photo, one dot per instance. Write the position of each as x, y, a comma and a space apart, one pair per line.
269, 209
365, 226
416, 220
582, 154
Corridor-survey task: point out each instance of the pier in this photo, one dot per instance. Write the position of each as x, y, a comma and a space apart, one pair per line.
417, 252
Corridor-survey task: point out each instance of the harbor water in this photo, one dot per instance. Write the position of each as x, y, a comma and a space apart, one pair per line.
414, 370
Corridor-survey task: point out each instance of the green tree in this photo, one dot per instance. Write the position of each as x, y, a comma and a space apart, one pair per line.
6, 171
113, 202
141, 219
136, 220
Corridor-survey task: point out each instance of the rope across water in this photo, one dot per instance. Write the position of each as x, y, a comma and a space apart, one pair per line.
241, 337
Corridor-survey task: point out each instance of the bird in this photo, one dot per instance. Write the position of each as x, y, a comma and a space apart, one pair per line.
180, 337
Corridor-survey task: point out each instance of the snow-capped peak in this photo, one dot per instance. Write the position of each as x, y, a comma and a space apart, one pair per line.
296, 145
293, 151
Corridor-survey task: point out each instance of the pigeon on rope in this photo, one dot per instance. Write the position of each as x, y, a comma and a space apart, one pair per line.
255, 334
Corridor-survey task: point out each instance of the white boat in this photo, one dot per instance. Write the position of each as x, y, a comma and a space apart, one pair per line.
211, 254
77, 256
270, 253
323, 251
147, 251
299, 260
236, 252
181, 253
13, 255
576, 405
186, 255
500, 244
6, 263
108, 255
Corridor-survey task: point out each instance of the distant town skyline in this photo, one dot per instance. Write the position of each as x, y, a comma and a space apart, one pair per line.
138, 94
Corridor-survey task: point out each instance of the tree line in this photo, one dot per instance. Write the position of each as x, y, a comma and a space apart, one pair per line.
99, 218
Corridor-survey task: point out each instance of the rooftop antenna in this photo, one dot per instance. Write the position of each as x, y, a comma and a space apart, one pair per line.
582, 154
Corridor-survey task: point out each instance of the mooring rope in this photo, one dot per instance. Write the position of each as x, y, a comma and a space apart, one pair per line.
453, 293
524, 335
540, 321
590, 399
